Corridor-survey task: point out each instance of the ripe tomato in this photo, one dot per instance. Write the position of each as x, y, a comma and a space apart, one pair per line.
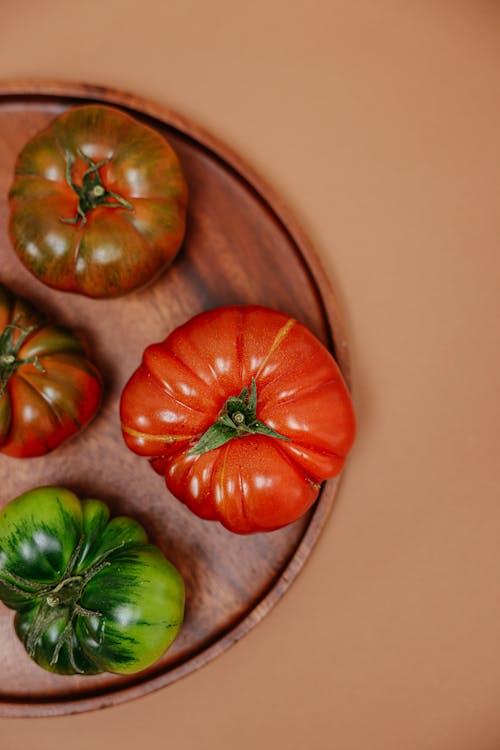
91, 594
98, 203
48, 387
244, 412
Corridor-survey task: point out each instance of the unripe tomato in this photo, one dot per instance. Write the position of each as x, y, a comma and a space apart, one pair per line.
91, 594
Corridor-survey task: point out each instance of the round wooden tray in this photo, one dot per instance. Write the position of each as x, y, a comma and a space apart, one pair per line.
242, 246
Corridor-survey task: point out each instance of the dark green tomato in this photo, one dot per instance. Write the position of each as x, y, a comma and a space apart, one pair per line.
91, 594
98, 203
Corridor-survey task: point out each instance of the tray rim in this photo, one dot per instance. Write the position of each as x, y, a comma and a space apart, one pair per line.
233, 160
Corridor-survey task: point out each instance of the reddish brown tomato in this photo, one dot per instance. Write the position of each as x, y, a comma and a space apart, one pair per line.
244, 412
98, 203
49, 389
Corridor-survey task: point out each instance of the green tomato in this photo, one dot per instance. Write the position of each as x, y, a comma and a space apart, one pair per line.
91, 594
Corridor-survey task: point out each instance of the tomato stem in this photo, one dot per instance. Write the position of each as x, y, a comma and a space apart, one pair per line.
91, 193
62, 600
59, 595
238, 418
59, 600
9, 349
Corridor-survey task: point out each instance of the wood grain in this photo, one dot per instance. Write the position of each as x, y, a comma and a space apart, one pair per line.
242, 246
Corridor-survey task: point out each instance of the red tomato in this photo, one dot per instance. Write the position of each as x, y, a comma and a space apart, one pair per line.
49, 389
244, 412
98, 203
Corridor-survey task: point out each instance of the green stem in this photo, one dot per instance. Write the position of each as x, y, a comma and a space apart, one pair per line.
59, 600
92, 192
59, 596
44, 617
9, 349
237, 419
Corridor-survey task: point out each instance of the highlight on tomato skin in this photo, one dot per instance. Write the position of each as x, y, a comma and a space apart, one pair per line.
91, 594
98, 203
244, 412
49, 388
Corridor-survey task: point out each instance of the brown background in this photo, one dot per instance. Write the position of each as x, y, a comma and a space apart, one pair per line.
379, 122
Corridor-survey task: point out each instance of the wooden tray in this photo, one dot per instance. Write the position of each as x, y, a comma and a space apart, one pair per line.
242, 246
